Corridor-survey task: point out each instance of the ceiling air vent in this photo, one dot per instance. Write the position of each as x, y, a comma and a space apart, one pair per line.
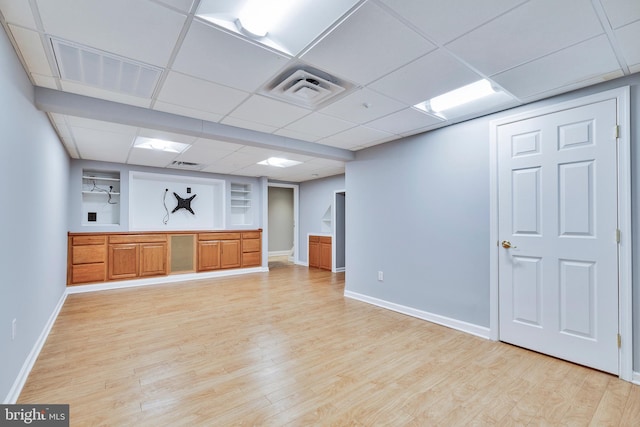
186, 165
305, 87
103, 70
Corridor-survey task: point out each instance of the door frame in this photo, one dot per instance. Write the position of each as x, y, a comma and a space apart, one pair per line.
296, 190
625, 303
334, 232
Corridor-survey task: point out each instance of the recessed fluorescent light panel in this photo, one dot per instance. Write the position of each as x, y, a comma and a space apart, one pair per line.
285, 25
455, 98
160, 145
279, 162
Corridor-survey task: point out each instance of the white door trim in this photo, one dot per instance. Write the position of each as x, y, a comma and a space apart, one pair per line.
622, 97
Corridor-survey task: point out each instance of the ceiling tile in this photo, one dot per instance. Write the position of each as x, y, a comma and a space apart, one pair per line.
18, 12
443, 21
193, 93
99, 125
32, 51
268, 112
100, 145
320, 125
404, 121
181, 5
432, 75
362, 106
187, 112
621, 12
359, 48
356, 137
526, 33
247, 124
575, 65
142, 30
207, 152
629, 40
146, 157
213, 55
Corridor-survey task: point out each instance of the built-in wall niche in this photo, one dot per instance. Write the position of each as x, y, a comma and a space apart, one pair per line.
327, 221
241, 204
100, 197
171, 202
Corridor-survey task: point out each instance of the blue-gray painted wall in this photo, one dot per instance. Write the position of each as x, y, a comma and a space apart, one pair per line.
34, 172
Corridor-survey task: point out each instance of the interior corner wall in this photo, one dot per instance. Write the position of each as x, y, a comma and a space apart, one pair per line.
34, 170
315, 197
419, 211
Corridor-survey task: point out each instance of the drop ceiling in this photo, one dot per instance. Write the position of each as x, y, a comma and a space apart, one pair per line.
385, 56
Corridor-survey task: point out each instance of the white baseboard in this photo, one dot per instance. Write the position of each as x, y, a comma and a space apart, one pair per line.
173, 278
280, 253
479, 331
21, 379
636, 378
339, 270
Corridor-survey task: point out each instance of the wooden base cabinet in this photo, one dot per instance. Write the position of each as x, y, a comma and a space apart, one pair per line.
132, 256
320, 252
218, 250
100, 257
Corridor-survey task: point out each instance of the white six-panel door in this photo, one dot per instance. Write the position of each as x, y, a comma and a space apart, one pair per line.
557, 225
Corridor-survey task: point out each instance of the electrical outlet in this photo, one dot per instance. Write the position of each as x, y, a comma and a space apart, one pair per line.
14, 323
380, 276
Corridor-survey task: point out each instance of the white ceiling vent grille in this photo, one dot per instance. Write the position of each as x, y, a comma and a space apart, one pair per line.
92, 67
176, 164
308, 88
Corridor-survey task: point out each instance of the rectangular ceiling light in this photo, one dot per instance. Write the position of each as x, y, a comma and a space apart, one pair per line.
279, 163
160, 145
457, 97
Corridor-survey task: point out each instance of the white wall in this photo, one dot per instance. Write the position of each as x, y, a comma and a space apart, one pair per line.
34, 171
419, 211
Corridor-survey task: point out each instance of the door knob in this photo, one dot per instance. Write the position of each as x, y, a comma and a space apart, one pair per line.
507, 244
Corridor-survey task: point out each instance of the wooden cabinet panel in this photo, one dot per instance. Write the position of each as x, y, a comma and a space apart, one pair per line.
85, 273
219, 236
325, 254
251, 235
314, 253
252, 259
88, 240
229, 253
88, 254
123, 261
208, 255
250, 245
153, 259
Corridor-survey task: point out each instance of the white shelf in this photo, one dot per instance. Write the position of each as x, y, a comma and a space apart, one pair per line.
241, 204
100, 178
100, 198
101, 192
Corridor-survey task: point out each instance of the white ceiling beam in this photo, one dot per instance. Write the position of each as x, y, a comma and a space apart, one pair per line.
55, 101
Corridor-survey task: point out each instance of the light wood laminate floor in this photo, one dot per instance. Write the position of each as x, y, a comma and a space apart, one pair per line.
286, 348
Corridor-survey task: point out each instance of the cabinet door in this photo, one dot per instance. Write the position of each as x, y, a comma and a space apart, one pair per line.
153, 259
325, 255
229, 253
314, 253
123, 261
208, 255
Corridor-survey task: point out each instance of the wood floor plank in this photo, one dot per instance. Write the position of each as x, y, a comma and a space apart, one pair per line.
286, 348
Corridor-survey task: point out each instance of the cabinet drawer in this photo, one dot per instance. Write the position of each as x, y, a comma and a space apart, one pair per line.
138, 238
88, 254
251, 235
250, 245
219, 236
87, 240
314, 239
251, 259
85, 273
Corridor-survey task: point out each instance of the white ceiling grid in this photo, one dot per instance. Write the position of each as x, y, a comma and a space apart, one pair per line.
392, 54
